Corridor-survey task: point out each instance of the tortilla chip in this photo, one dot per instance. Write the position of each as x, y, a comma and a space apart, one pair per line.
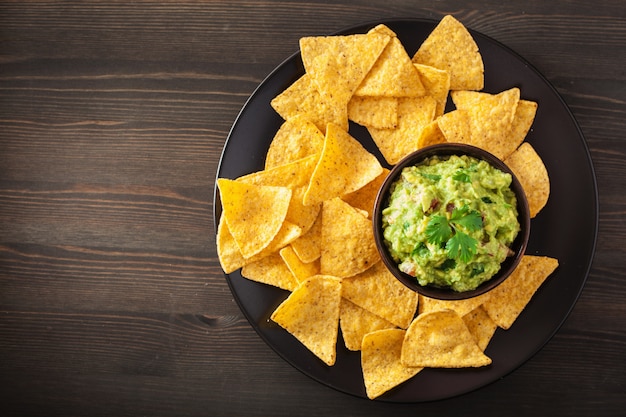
461, 307
393, 75
302, 98
308, 246
254, 214
344, 166
378, 112
355, 322
347, 245
437, 85
508, 299
296, 138
338, 64
414, 114
455, 126
522, 121
300, 270
480, 326
230, 256
490, 118
430, 135
311, 315
365, 197
381, 364
440, 339
292, 174
379, 292
531, 172
271, 270
450, 47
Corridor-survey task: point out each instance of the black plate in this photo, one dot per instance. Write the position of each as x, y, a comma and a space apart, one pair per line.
565, 229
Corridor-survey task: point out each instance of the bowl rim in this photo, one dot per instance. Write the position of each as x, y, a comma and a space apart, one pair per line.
518, 246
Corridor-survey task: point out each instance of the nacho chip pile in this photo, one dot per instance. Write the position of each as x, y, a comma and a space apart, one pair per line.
303, 223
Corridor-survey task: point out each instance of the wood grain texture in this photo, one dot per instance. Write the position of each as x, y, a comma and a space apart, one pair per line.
113, 116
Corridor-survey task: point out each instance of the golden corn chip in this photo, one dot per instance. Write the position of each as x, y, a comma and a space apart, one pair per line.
230, 256
311, 315
450, 47
378, 112
364, 197
440, 339
437, 85
300, 270
254, 214
414, 114
355, 322
303, 99
271, 270
480, 326
461, 307
531, 172
308, 246
379, 292
430, 135
455, 126
344, 166
381, 364
508, 299
338, 64
490, 118
296, 138
522, 121
347, 245
292, 175
393, 75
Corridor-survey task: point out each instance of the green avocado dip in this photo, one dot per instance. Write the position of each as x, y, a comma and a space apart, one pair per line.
450, 221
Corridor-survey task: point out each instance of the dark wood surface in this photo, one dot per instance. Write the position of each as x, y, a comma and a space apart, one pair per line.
112, 120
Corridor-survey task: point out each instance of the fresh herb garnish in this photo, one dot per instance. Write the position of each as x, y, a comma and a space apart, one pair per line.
458, 244
461, 176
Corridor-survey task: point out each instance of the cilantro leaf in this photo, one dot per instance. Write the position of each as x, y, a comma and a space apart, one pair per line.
438, 230
461, 176
461, 246
466, 218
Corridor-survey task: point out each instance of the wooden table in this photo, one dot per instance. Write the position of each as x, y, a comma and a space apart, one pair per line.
113, 117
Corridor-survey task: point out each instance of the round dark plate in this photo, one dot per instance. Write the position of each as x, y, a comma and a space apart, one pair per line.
565, 229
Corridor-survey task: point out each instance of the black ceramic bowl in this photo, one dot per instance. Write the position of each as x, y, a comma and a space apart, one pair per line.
518, 246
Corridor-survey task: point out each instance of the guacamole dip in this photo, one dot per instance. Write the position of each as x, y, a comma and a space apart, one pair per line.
450, 221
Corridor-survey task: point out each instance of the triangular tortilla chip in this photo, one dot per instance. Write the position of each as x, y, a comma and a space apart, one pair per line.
311, 315
393, 75
254, 214
302, 98
300, 270
296, 138
344, 166
378, 112
355, 322
414, 114
531, 172
338, 64
522, 121
292, 175
271, 270
490, 118
450, 47
431, 135
440, 339
364, 197
347, 244
455, 126
378, 291
437, 85
230, 256
308, 246
480, 326
508, 299
461, 307
381, 364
